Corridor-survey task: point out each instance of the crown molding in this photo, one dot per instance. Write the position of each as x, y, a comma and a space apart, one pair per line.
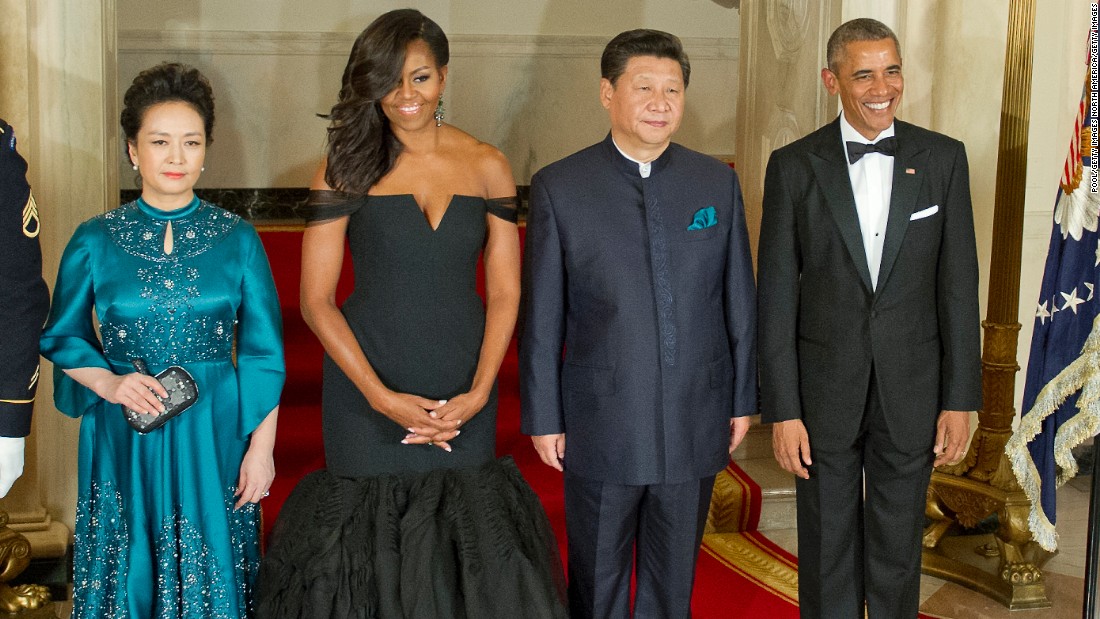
262, 43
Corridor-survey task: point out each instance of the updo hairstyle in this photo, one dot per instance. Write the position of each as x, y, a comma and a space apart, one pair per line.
164, 83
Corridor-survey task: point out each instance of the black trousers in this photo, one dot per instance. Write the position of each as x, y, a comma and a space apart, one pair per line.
613, 527
860, 523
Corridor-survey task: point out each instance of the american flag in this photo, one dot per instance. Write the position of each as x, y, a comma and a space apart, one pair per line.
1062, 390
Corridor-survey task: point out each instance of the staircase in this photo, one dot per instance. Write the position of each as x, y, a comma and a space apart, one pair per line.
777, 509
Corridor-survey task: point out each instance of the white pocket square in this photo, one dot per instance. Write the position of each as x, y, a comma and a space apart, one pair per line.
928, 212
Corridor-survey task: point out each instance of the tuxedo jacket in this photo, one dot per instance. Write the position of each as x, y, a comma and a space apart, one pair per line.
24, 298
825, 333
639, 335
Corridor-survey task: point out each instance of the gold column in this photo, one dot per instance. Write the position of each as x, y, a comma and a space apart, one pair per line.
1005, 565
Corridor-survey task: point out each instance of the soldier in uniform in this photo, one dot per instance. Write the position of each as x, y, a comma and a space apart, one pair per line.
24, 302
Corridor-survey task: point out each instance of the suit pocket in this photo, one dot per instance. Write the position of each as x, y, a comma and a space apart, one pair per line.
925, 213
712, 389
587, 379
699, 235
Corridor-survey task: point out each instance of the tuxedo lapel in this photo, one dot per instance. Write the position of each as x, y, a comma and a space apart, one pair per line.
910, 166
831, 169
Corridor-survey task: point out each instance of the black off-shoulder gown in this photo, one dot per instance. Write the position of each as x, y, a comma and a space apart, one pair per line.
392, 530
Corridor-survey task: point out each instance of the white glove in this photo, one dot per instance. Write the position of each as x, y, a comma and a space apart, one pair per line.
11, 462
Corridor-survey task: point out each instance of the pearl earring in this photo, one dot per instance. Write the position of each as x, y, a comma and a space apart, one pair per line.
202, 169
134, 167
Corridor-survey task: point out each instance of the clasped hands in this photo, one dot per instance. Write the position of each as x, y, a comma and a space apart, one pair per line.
431, 422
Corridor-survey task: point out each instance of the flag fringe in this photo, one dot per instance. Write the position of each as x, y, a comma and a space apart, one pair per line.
1042, 530
1082, 375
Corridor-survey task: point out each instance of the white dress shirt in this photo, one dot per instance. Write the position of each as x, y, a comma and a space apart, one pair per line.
643, 168
872, 182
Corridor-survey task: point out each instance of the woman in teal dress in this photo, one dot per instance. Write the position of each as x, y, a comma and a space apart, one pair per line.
167, 522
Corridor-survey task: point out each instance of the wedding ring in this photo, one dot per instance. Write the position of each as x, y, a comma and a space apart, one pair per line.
266, 494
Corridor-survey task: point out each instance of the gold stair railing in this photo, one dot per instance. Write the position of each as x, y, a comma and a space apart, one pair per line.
22, 601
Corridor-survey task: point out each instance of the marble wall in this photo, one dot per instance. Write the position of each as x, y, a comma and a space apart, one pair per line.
527, 84
57, 71
780, 95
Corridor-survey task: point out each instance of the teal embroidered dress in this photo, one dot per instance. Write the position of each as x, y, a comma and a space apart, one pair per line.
156, 534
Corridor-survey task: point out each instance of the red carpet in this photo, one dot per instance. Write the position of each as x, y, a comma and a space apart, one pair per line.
740, 572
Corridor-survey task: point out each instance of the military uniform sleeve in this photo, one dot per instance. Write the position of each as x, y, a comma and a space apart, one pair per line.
24, 298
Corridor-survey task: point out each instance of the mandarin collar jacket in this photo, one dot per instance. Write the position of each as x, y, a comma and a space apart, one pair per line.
639, 324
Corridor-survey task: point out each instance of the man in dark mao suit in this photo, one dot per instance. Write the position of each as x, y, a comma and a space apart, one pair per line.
637, 266
869, 353
24, 302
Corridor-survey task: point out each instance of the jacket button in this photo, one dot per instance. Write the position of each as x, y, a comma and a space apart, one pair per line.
874, 314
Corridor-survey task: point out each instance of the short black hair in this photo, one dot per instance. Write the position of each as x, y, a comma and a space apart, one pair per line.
861, 29
642, 42
164, 83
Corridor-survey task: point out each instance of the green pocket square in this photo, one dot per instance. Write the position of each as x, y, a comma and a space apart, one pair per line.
704, 218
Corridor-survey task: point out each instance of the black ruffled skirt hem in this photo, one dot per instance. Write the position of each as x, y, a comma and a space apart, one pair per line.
471, 543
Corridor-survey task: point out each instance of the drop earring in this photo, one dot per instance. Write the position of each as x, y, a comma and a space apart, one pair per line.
202, 169
134, 167
439, 112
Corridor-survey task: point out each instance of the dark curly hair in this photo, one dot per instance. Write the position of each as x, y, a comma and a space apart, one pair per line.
361, 146
166, 82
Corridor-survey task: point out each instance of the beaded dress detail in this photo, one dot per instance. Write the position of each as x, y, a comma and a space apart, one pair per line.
156, 534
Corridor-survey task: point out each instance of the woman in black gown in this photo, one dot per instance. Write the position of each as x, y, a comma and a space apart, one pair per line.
413, 517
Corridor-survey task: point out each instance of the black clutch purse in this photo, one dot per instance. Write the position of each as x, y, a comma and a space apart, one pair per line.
182, 393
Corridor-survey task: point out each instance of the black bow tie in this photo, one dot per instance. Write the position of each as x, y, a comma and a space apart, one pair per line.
886, 146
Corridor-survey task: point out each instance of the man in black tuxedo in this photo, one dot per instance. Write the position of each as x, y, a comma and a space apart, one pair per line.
24, 302
869, 343
637, 266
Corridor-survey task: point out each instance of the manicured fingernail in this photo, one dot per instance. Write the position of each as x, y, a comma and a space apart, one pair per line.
448, 450
432, 414
457, 432
405, 441
411, 431
442, 402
